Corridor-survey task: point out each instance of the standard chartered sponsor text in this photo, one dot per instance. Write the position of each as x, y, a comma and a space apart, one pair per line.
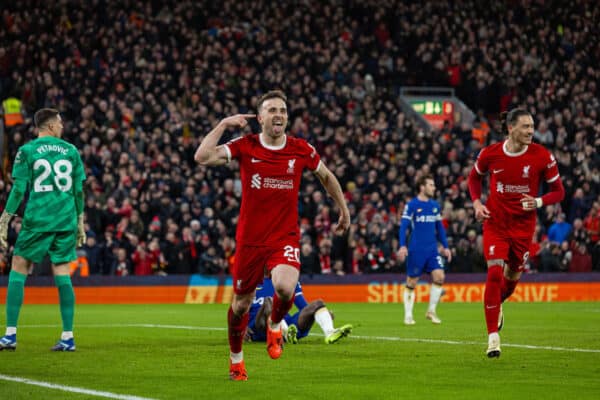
273, 183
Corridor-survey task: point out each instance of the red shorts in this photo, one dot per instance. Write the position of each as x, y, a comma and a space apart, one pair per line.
253, 263
514, 251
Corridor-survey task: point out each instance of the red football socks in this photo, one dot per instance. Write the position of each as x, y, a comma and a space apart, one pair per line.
280, 308
236, 330
508, 287
492, 297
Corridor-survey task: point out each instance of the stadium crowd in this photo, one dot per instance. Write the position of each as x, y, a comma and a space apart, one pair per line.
140, 83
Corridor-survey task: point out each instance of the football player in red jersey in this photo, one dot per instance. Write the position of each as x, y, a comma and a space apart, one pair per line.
516, 167
271, 165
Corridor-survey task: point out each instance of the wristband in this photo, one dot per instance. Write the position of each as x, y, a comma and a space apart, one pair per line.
538, 202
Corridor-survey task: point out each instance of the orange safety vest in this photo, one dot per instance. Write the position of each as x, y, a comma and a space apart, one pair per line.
12, 112
80, 264
480, 134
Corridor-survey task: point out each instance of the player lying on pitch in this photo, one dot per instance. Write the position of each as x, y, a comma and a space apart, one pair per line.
295, 326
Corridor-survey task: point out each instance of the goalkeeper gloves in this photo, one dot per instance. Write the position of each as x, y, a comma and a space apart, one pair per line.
4, 221
81, 238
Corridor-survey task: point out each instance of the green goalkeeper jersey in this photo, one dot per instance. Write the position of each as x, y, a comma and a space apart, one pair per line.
54, 173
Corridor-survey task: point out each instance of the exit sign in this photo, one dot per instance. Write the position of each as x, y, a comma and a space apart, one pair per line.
432, 107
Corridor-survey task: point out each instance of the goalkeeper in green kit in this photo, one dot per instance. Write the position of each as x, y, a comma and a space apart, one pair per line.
52, 171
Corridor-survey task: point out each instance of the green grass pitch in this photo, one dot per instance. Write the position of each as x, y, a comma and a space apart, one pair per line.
549, 351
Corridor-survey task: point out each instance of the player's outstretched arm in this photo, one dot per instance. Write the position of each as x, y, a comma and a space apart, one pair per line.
333, 188
208, 153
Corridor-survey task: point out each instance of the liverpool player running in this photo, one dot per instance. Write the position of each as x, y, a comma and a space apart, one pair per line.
517, 166
271, 165
52, 171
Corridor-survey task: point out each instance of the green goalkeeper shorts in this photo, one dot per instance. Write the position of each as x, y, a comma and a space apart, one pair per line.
34, 246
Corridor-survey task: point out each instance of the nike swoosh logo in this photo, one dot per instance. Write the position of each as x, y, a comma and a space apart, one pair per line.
255, 160
490, 307
495, 171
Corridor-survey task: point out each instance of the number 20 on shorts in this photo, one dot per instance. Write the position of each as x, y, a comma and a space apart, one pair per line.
292, 253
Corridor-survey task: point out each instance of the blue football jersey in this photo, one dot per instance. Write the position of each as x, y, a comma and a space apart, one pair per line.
425, 222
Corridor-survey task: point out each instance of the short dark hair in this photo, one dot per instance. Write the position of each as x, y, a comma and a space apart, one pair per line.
271, 94
43, 115
511, 117
422, 180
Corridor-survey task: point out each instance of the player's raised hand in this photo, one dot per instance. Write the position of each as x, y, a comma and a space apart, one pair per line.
402, 253
528, 202
481, 211
237, 121
343, 224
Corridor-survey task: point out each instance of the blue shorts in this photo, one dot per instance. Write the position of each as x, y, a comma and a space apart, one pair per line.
423, 261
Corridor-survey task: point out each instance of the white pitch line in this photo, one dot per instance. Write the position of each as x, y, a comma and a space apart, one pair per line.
71, 389
388, 338
185, 327
455, 342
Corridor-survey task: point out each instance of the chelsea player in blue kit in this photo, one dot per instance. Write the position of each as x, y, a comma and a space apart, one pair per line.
423, 216
295, 326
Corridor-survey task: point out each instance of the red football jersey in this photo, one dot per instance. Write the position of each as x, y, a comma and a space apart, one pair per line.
270, 185
512, 176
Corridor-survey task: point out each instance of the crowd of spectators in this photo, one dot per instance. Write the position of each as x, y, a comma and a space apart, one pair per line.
139, 84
